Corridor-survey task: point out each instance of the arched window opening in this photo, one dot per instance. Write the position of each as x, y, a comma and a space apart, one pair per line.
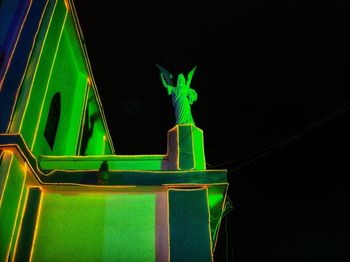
52, 120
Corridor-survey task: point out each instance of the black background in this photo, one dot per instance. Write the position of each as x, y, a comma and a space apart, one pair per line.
267, 71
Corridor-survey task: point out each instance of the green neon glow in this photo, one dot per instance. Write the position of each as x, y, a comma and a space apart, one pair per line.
216, 197
96, 227
115, 162
93, 140
52, 67
120, 222
62, 68
182, 94
186, 148
11, 204
198, 145
39, 83
21, 104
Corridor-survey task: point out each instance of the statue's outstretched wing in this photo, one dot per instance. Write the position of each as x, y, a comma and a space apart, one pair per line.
189, 76
167, 75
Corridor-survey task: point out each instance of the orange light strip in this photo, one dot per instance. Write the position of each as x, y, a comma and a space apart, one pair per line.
222, 210
97, 157
17, 212
6, 178
209, 229
36, 225
82, 117
23, 155
66, 3
20, 224
168, 222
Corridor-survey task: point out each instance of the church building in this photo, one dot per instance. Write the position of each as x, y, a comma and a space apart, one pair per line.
65, 193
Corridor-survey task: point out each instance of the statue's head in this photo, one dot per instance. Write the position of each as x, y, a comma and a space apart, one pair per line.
181, 81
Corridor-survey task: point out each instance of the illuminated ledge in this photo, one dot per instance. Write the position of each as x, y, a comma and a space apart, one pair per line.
15, 142
87, 176
115, 162
78, 184
138, 178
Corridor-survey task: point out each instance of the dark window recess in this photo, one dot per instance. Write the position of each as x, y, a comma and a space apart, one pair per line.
52, 120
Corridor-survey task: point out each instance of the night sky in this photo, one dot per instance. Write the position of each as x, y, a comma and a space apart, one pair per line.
272, 81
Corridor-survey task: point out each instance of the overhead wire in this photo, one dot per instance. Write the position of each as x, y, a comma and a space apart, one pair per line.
268, 149
229, 252
260, 153
273, 147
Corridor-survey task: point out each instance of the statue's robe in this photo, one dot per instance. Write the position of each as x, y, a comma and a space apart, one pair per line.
182, 103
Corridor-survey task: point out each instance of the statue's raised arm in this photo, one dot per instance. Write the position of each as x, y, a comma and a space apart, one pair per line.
182, 94
189, 77
168, 87
167, 79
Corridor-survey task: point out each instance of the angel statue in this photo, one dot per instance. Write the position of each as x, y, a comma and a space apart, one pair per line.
182, 94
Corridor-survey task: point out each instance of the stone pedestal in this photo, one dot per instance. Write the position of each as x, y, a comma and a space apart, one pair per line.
186, 148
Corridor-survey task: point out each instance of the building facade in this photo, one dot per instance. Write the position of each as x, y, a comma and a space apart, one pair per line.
65, 195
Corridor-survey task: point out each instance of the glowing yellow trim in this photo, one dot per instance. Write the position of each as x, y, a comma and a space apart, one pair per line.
23, 155
23, 75
6, 178
112, 170
6, 151
209, 229
66, 3
103, 144
110, 187
222, 210
85, 170
48, 81
17, 212
73, 157
168, 222
129, 170
17, 146
20, 224
36, 224
97, 186
203, 150
15, 46
202, 146
177, 149
36, 68
82, 117
192, 142
38, 171
187, 189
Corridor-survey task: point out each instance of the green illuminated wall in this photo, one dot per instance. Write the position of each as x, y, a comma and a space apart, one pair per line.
12, 196
93, 137
58, 65
98, 227
54, 206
